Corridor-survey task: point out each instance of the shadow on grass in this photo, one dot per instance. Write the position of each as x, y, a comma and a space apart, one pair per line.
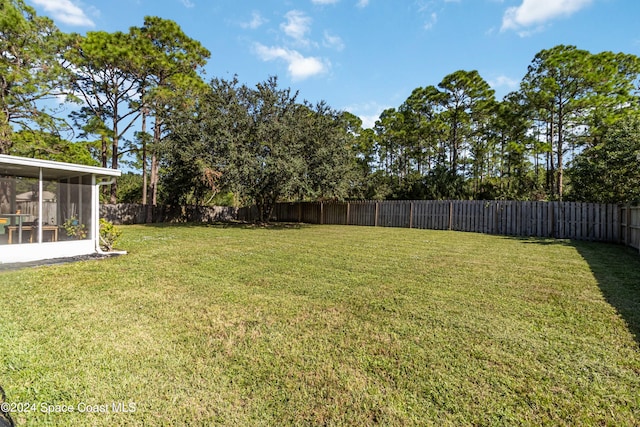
617, 270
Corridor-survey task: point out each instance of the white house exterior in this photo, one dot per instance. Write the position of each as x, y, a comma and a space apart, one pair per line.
32, 230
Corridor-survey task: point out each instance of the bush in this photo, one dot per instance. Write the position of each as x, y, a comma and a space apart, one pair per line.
109, 235
75, 229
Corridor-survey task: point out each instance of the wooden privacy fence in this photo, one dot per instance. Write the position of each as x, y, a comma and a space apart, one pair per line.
563, 220
132, 213
49, 211
630, 226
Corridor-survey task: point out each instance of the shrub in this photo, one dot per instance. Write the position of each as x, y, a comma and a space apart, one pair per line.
75, 229
109, 235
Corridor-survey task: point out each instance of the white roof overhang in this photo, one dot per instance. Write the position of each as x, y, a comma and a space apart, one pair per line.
27, 167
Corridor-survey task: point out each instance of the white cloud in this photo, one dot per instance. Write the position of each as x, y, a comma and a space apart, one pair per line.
332, 41
537, 12
426, 8
369, 120
324, 1
297, 26
363, 3
256, 21
298, 66
188, 3
368, 112
433, 19
66, 12
504, 81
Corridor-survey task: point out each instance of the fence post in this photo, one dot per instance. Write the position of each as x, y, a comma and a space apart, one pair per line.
635, 225
348, 208
627, 221
411, 215
450, 214
299, 211
375, 222
622, 231
321, 213
552, 220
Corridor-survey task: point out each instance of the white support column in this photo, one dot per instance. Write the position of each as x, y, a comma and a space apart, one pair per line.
80, 201
95, 212
69, 213
40, 206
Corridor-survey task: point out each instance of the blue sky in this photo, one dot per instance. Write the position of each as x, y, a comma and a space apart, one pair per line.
367, 55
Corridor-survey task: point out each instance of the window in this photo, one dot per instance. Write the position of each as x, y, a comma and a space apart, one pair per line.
54, 210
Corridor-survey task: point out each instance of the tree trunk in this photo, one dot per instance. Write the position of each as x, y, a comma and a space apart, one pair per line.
454, 146
560, 150
153, 179
155, 162
152, 184
103, 159
503, 143
114, 165
144, 158
5, 132
551, 183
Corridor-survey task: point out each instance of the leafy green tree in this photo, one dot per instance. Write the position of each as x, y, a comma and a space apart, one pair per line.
609, 172
89, 125
47, 146
259, 143
391, 136
268, 161
31, 71
578, 97
515, 149
130, 188
423, 108
122, 77
198, 147
613, 80
169, 80
509, 129
466, 98
363, 158
442, 183
555, 86
105, 67
326, 143
436, 130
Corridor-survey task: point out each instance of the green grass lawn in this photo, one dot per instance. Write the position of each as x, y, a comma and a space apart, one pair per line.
327, 325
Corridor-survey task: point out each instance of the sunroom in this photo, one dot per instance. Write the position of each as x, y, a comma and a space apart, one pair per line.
49, 209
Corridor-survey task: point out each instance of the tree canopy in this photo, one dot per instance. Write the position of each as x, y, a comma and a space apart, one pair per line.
31, 71
456, 141
608, 172
260, 143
